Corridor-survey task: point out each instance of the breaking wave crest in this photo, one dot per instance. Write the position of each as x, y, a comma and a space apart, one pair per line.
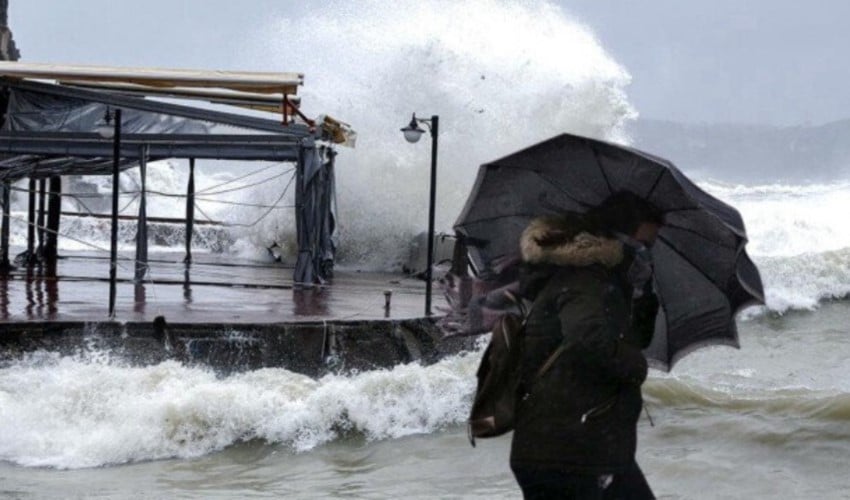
800, 402
89, 410
799, 239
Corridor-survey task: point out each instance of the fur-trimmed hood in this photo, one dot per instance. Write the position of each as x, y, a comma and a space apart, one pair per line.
554, 240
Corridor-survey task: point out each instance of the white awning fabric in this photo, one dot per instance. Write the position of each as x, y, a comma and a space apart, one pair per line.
262, 91
243, 81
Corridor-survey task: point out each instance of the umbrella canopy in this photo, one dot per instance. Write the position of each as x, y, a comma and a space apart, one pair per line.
703, 275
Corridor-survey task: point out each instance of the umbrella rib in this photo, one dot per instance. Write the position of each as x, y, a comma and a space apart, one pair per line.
685, 209
602, 171
562, 190
655, 184
706, 238
496, 217
688, 260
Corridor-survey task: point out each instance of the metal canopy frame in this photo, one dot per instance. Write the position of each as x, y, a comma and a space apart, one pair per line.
61, 153
35, 147
51, 154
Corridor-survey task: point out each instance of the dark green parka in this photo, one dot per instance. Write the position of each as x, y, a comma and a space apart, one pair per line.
581, 415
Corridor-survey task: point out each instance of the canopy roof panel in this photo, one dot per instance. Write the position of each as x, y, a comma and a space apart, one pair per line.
244, 81
51, 128
255, 101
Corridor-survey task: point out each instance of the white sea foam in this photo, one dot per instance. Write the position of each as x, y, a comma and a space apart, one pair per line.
86, 411
787, 220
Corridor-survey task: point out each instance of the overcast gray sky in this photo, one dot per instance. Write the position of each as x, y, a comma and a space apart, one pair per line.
758, 61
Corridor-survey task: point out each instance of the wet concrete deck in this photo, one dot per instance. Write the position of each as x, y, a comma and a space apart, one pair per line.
229, 314
207, 291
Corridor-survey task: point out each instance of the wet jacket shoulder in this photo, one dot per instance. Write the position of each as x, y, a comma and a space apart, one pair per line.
581, 414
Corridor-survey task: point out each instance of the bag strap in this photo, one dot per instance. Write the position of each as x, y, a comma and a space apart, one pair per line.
526, 313
552, 357
551, 360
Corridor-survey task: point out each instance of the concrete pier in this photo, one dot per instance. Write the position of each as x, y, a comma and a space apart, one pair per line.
226, 314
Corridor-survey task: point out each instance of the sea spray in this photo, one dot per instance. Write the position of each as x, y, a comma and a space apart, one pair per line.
500, 75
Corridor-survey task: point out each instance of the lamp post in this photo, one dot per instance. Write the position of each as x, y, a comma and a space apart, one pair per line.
114, 132
412, 133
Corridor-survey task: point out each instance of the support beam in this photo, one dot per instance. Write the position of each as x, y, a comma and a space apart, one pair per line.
31, 258
39, 221
142, 223
5, 264
190, 211
268, 147
54, 209
113, 249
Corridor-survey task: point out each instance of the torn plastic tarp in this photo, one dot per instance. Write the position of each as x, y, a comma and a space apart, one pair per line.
36, 112
315, 202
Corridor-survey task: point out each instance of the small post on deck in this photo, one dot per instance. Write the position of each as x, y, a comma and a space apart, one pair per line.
142, 223
31, 223
113, 249
190, 211
39, 222
5, 265
54, 211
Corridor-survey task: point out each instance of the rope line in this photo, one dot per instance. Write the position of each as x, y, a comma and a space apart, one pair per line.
230, 181
246, 186
76, 197
128, 264
264, 215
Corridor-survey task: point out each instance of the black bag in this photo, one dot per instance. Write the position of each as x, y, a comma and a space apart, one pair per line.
499, 376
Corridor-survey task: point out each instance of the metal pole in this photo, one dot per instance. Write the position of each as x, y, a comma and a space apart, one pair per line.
113, 249
31, 223
142, 222
39, 221
190, 211
435, 127
5, 265
54, 218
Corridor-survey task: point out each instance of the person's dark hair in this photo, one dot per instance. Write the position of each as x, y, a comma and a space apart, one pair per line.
623, 212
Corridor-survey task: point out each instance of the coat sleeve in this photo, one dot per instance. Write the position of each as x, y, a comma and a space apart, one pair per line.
596, 336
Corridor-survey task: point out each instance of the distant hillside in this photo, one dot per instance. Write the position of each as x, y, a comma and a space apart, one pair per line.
750, 153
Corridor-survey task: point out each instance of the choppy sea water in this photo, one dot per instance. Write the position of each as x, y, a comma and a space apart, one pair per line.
769, 420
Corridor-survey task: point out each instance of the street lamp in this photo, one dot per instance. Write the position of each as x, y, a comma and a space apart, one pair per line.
105, 128
113, 132
412, 133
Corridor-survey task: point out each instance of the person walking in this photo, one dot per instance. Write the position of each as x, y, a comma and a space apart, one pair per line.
589, 277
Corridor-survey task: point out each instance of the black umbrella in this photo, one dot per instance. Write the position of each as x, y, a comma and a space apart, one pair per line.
703, 275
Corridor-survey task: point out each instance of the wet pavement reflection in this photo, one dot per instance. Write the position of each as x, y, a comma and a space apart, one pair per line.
77, 289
